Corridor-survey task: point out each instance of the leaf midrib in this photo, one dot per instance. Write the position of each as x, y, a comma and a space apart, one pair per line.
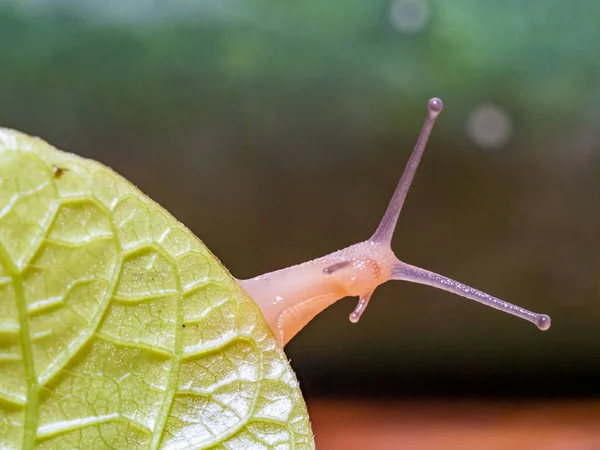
33, 386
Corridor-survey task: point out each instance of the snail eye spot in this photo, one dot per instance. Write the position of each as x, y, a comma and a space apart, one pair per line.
335, 267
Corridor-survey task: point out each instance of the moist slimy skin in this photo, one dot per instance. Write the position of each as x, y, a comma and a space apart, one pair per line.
289, 298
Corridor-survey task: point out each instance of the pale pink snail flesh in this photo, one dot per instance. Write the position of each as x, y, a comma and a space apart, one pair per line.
289, 298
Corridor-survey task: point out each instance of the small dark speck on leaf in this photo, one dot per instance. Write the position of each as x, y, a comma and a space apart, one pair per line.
183, 325
59, 172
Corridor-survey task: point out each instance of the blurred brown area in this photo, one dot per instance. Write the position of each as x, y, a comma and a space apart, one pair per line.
344, 425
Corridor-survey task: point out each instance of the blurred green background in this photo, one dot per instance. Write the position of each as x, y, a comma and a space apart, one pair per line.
277, 131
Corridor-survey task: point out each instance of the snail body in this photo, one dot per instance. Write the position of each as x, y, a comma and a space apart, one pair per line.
289, 298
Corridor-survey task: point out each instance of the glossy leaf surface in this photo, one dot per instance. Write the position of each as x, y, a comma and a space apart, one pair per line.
119, 328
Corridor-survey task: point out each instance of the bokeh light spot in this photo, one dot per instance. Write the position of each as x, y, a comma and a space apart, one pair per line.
489, 126
409, 16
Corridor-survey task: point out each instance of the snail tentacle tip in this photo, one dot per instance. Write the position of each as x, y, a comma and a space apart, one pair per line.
360, 308
435, 106
543, 322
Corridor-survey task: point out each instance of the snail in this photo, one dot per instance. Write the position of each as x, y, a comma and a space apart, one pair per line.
289, 298
119, 328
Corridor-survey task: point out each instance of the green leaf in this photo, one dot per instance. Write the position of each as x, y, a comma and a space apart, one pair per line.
119, 328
